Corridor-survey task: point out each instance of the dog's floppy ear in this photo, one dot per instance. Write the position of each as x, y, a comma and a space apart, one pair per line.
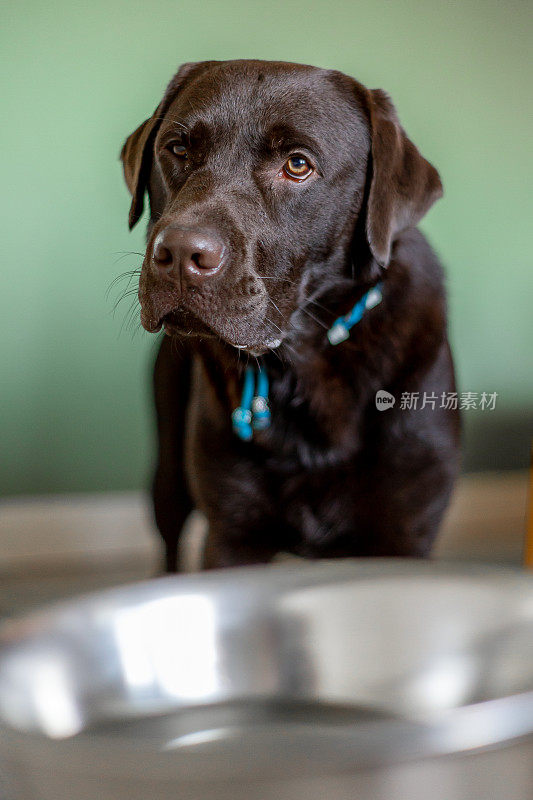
137, 151
403, 185
136, 160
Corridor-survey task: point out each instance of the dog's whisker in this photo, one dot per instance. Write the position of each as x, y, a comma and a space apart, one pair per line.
122, 253
271, 322
296, 355
276, 278
274, 351
135, 329
121, 259
312, 316
130, 274
129, 316
276, 307
279, 312
312, 302
176, 344
132, 314
122, 297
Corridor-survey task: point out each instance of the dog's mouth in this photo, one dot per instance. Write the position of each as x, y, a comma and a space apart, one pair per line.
183, 322
236, 314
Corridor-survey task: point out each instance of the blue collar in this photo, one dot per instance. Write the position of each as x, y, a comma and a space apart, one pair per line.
340, 330
253, 414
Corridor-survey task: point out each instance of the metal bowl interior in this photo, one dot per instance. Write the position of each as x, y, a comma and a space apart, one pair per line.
379, 657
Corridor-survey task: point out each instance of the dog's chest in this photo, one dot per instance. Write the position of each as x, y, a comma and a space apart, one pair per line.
314, 416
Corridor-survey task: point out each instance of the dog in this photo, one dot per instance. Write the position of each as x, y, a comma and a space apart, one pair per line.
296, 294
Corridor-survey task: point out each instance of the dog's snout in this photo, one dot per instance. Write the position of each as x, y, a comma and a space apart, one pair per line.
191, 254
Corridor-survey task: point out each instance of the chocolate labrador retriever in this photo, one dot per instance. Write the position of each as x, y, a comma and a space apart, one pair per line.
304, 390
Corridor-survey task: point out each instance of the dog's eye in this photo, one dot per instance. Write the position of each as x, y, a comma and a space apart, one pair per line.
178, 149
297, 167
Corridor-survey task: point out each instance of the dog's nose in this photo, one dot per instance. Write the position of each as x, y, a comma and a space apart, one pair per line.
188, 253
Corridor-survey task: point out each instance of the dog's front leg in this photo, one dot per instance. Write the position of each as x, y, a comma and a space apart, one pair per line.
221, 550
171, 498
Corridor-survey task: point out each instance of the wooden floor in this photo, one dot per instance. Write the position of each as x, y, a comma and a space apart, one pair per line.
22, 591
55, 548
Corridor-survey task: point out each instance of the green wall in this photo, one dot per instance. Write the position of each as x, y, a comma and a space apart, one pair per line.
78, 77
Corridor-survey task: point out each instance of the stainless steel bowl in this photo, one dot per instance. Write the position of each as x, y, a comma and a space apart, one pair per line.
382, 680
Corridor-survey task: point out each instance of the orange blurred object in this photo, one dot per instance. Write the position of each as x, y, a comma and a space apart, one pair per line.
528, 556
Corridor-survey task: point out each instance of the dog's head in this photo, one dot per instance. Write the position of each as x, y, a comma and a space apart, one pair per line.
268, 183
